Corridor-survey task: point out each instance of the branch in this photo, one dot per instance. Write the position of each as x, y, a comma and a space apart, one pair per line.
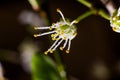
93, 10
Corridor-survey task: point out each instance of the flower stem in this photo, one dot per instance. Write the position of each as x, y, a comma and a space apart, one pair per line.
60, 65
93, 10
86, 3
83, 16
103, 14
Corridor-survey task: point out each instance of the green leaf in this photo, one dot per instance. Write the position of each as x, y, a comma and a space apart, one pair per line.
43, 68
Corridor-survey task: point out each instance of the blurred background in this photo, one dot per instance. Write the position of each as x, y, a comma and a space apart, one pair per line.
94, 54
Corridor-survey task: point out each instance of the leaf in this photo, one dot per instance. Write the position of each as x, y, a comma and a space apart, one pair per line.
43, 68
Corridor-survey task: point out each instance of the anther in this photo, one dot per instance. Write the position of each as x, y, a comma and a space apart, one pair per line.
64, 38
53, 39
58, 10
74, 34
67, 51
61, 48
35, 27
51, 51
76, 21
46, 52
116, 17
35, 35
50, 28
57, 38
114, 28
52, 35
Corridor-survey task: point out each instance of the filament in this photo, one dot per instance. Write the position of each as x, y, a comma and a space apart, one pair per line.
65, 43
53, 44
41, 27
69, 44
46, 33
73, 22
57, 44
61, 15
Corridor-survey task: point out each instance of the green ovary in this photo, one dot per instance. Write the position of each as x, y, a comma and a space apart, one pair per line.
64, 27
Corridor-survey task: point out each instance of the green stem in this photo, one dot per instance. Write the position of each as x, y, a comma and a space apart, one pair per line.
103, 14
100, 12
60, 65
86, 3
83, 16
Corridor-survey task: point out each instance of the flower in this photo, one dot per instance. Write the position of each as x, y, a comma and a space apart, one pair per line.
115, 21
60, 31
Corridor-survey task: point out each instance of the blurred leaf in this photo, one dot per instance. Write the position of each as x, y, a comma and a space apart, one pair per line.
43, 68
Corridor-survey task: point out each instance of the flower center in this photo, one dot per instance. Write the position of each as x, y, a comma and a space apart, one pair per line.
66, 31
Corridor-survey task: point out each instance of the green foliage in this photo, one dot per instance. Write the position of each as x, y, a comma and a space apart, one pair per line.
43, 68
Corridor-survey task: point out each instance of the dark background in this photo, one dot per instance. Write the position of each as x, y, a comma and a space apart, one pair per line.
94, 43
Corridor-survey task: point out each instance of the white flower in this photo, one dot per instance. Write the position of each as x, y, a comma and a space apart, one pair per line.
60, 31
115, 21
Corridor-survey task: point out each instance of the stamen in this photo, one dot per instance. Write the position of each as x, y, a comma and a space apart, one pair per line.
50, 28
41, 27
46, 52
55, 36
75, 21
55, 25
65, 43
53, 39
44, 33
74, 34
58, 10
51, 51
67, 51
114, 28
57, 44
61, 48
52, 35
53, 45
35, 35
69, 44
